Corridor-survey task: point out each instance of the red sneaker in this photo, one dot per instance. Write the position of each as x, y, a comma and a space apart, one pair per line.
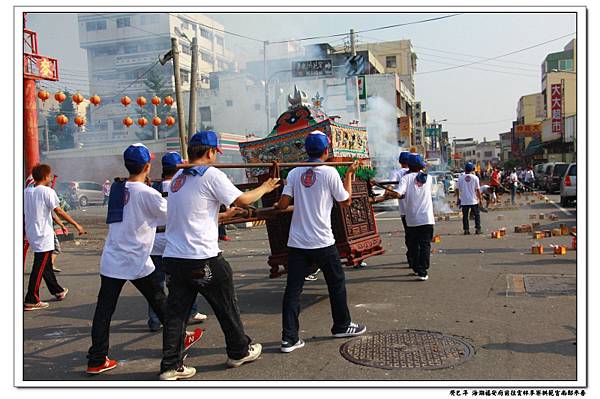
108, 365
225, 238
191, 338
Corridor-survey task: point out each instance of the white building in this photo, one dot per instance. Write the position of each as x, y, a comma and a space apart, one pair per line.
122, 46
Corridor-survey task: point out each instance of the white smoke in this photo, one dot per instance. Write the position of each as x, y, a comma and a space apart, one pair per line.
382, 129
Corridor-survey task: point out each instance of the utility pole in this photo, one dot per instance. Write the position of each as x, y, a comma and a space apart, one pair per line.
193, 88
155, 127
178, 98
265, 44
355, 78
46, 134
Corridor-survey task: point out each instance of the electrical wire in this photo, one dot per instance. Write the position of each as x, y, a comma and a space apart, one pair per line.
481, 69
488, 64
496, 57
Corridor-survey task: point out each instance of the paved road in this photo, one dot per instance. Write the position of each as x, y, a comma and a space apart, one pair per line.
481, 289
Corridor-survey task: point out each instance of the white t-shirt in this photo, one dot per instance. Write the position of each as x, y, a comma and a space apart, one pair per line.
514, 178
159, 239
193, 217
126, 253
419, 206
38, 204
313, 190
468, 183
397, 175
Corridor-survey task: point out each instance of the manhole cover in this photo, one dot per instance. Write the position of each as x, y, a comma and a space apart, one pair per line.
550, 285
407, 349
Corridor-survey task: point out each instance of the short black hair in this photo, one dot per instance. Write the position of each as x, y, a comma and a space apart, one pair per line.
134, 168
414, 168
40, 172
196, 151
316, 154
168, 171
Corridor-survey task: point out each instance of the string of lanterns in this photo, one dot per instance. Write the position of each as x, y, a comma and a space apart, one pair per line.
80, 121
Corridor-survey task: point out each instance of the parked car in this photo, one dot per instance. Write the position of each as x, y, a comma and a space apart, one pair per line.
568, 185
83, 192
538, 171
553, 175
445, 175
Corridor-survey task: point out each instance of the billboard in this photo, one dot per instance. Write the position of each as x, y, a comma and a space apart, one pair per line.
529, 130
405, 128
552, 129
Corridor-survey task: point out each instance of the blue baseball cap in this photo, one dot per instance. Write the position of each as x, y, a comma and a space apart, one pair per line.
138, 153
416, 160
403, 158
316, 141
207, 138
469, 167
171, 159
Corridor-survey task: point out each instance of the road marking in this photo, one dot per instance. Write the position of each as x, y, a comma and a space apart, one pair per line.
389, 218
518, 284
380, 213
568, 213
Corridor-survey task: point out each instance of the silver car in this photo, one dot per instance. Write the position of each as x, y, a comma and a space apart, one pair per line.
568, 185
88, 192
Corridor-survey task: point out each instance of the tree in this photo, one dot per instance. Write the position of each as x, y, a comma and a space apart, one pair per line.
62, 137
156, 85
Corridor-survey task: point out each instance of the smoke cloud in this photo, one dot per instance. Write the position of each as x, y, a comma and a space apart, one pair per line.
382, 130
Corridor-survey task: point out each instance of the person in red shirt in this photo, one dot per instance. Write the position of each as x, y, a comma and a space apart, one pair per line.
494, 183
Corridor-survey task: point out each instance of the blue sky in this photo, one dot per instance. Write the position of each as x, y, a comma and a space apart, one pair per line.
476, 103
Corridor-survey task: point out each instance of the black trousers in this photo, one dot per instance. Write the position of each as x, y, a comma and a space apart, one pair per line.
213, 279
420, 246
474, 209
110, 289
42, 269
300, 262
406, 232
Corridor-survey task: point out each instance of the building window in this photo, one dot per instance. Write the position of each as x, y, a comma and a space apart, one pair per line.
257, 107
565, 65
185, 49
123, 22
488, 154
185, 76
185, 25
229, 103
205, 114
95, 25
149, 19
220, 41
107, 50
205, 33
390, 61
130, 48
206, 57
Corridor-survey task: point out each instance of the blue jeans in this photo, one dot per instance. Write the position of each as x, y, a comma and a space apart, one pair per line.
153, 320
513, 193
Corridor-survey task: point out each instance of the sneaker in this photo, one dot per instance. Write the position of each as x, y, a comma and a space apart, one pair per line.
312, 276
197, 318
466, 232
287, 346
478, 231
191, 338
225, 238
61, 295
36, 306
254, 351
56, 270
424, 278
174, 375
352, 330
108, 365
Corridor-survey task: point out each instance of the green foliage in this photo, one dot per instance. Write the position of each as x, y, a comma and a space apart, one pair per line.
156, 85
62, 137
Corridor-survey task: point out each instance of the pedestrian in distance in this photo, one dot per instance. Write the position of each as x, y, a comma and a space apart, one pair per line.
169, 163
134, 211
415, 189
513, 180
495, 182
106, 192
469, 195
39, 201
311, 241
193, 261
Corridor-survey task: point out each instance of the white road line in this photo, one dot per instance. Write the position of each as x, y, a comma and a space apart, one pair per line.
389, 218
380, 213
568, 213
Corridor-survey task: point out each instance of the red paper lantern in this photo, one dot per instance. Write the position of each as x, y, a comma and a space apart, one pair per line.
43, 95
170, 121
128, 121
77, 98
155, 100
62, 120
125, 100
60, 96
141, 101
142, 121
95, 99
79, 121
156, 121
169, 100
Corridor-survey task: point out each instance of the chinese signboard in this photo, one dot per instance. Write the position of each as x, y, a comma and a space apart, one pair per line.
405, 128
418, 130
302, 69
362, 87
528, 130
556, 97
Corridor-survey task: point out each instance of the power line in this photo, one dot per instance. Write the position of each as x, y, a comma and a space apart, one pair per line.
476, 56
217, 29
480, 69
492, 65
367, 30
494, 58
479, 123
